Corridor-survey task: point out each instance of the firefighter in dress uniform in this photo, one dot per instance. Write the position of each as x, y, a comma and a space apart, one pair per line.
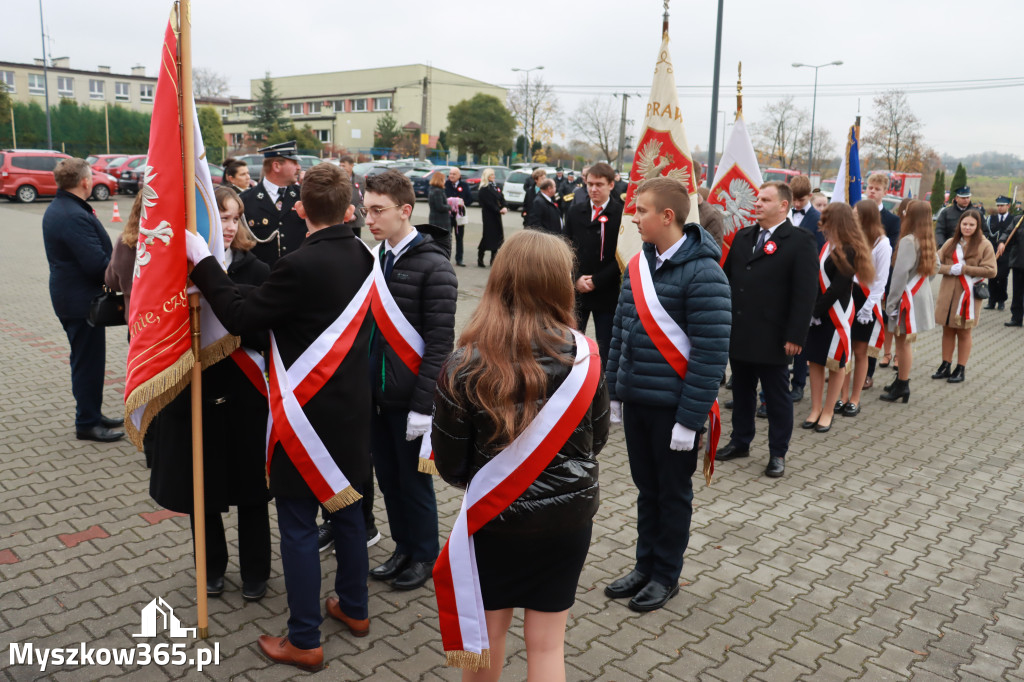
270, 205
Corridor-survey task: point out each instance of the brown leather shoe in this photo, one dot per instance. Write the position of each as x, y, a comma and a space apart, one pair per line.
868, 383
280, 650
358, 628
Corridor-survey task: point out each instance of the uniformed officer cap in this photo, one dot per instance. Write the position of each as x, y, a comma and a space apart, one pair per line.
559, 169
1002, 200
964, 192
284, 150
572, 174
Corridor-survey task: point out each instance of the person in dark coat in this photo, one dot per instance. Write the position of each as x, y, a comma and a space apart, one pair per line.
531, 554
424, 287
998, 223
592, 228
456, 187
492, 207
234, 438
546, 215
119, 275
348, 164
949, 216
621, 185
803, 215
532, 188
710, 216
270, 205
236, 175
876, 187
1011, 244
773, 275
661, 412
306, 292
78, 250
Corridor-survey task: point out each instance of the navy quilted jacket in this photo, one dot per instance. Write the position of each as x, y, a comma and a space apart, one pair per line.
694, 291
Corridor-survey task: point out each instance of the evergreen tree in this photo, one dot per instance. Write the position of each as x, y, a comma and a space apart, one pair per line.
213, 134
387, 132
305, 138
959, 180
267, 114
938, 192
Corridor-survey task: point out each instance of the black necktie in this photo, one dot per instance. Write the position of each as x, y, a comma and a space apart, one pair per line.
389, 263
761, 239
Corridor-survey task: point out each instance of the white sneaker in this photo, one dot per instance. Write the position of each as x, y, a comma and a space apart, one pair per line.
370, 542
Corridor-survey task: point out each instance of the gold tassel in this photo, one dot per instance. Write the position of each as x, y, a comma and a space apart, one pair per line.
708, 463
427, 466
342, 499
874, 352
467, 660
156, 393
833, 365
216, 352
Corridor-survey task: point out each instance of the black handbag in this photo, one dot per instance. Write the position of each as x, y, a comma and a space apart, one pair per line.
107, 309
980, 290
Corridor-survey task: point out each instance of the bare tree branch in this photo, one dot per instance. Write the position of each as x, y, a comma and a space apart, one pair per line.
536, 108
596, 122
895, 134
208, 83
778, 135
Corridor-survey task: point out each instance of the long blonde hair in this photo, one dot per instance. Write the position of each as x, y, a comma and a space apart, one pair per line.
130, 234
244, 239
526, 310
918, 222
486, 177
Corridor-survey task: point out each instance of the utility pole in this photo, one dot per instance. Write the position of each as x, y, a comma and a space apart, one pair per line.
423, 121
714, 100
46, 80
106, 124
622, 134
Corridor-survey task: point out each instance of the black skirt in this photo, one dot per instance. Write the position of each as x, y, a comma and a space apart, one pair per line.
858, 331
819, 338
538, 572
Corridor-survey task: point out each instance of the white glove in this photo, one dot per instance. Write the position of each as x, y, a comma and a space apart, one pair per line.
682, 438
417, 425
196, 247
815, 321
864, 316
615, 407
956, 268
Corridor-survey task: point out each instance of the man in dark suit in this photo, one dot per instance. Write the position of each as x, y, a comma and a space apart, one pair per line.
306, 292
999, 223
545, 214
580, 194
949, 216
78, 250
455, 186
875, 189
348, 165
270, 205
803, 215
773, 275
592, 228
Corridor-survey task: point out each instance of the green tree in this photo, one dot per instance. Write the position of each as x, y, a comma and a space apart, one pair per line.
267, 113
959, 179
479, 125
305, 139
5, 104
387, 131
213, 133
938, 192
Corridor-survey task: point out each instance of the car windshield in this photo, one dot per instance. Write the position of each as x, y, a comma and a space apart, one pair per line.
518, 177
91, 159
471, 173
135, 163
417, 173
116, 161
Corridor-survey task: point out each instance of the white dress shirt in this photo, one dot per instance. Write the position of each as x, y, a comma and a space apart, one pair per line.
660, 258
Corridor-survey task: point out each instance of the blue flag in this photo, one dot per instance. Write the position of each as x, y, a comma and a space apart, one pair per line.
848, 181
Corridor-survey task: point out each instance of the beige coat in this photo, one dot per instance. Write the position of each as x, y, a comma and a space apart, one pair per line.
980, 263
903, 270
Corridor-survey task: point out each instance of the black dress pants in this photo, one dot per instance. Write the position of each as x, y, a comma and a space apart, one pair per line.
88, 359
253, 543
778, 401
1017, 302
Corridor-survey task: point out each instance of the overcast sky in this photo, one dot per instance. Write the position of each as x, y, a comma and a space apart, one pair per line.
603, 45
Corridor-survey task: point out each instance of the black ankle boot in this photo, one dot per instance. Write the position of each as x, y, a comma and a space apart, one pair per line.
943, 371
957, 376
480, 260
900, 391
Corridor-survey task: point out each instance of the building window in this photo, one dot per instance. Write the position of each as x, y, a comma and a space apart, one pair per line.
339, 105
36, 85
359, 104
225, 112
295, 108
7, 79
323, 135
146, 92
382, 104
237, 139
313, 107
122, 91
96, 89
65, 86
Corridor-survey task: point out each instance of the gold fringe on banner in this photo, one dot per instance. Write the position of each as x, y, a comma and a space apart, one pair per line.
427, 466
467, 660
216, 352
342, 499
156, 394
709, 467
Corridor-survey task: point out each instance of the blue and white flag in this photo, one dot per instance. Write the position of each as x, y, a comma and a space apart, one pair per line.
848, 181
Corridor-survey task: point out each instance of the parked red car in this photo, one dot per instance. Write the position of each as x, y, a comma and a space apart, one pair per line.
127, 163
26, 174
103, 162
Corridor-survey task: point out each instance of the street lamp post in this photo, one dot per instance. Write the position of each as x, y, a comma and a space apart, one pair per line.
814, 105
526, 104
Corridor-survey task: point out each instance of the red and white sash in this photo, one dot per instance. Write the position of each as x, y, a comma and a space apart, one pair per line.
403, 339
292, 388
965, 311
840, 346
672, 342
906, 309
499, 483
253, 367
877, 337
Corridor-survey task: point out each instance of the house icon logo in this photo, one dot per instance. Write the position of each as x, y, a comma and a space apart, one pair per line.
158, 611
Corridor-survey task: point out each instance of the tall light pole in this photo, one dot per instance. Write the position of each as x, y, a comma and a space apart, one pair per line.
814, 105
46, 80
526, 104
714, 99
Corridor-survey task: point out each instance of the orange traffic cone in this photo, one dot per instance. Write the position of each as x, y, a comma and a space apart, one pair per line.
117, 215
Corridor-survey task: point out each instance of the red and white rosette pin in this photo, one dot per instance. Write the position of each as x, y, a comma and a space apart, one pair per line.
770, 247
603, 219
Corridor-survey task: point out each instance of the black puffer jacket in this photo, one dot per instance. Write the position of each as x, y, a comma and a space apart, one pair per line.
425, 288
564, 496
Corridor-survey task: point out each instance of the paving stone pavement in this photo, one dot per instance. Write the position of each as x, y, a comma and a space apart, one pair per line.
893, 548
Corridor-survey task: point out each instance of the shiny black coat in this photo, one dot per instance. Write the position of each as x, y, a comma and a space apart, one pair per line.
234, 428
564, 496
491, 202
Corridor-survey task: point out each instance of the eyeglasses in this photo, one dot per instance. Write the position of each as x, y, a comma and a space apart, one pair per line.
377, 210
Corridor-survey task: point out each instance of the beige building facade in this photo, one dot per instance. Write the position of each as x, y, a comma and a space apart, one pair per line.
343, 107
26, 83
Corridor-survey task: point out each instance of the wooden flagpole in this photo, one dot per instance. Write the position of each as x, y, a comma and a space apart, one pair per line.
188, 153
